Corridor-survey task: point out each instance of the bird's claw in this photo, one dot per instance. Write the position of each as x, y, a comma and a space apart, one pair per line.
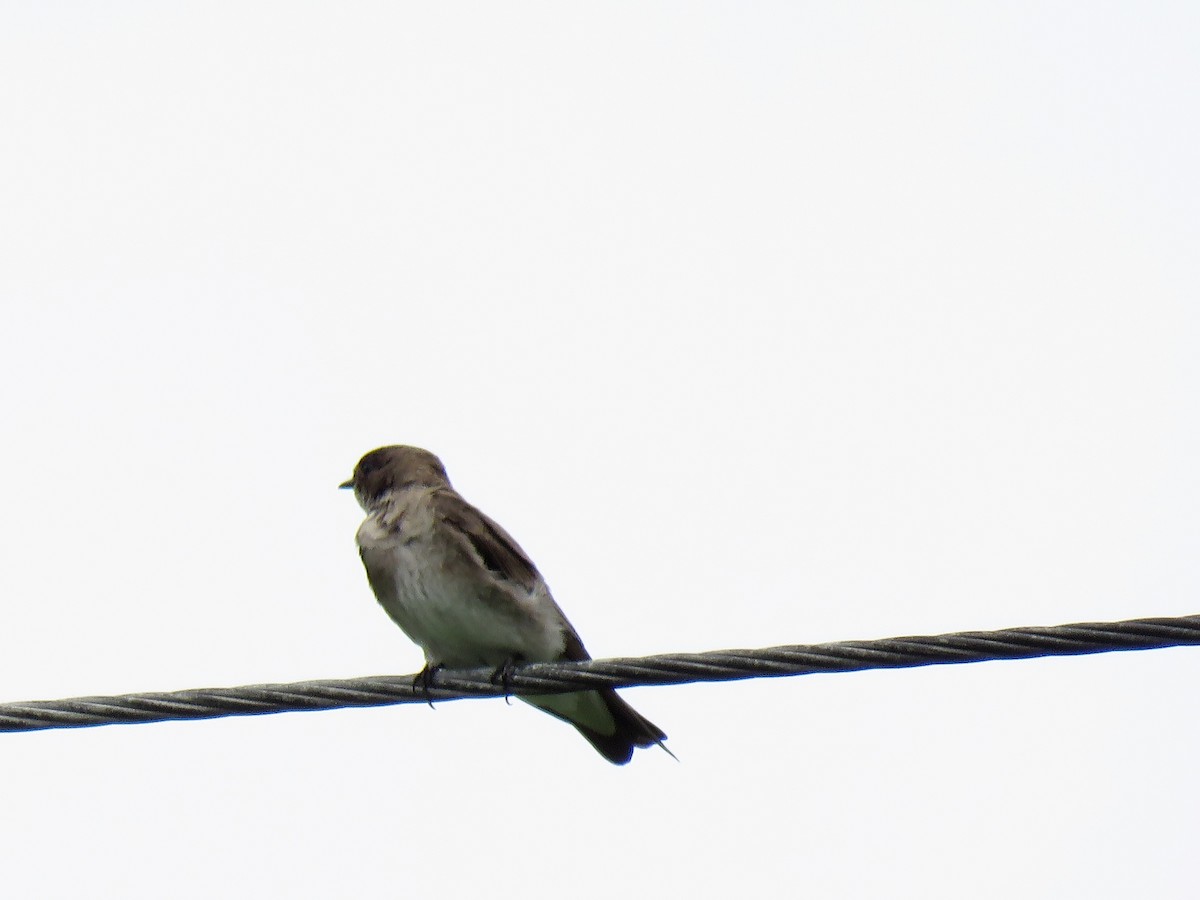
423, 681
503, 677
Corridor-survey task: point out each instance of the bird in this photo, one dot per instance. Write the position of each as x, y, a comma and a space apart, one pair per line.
466, 593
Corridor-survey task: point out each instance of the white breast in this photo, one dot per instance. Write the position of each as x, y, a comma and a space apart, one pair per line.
455, 609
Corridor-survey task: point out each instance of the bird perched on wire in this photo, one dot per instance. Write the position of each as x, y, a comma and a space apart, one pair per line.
463, 590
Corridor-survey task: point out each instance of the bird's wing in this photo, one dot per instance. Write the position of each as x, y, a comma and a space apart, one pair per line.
494, 547
502, 556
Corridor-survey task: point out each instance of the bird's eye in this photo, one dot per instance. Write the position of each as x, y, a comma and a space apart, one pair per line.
372, 462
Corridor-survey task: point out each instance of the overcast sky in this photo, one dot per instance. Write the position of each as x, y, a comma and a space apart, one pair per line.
754, 324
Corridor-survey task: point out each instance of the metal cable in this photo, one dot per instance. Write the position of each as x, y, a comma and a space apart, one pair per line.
550, 678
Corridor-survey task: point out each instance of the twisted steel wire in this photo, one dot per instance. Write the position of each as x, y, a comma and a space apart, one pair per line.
551, 678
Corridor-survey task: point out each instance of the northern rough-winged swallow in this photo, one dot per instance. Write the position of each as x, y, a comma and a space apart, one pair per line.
467, 594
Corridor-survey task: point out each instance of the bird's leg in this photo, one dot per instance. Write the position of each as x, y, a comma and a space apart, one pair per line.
424, 680
503, 675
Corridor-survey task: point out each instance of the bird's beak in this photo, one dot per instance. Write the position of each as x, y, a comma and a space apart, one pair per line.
347, 484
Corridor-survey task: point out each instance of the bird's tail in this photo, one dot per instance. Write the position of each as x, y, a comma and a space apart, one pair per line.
610, 724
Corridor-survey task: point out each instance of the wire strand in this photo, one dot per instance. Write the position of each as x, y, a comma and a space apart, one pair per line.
552, 678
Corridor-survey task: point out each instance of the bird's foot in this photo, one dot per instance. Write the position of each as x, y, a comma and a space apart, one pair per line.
423, 680
503, 676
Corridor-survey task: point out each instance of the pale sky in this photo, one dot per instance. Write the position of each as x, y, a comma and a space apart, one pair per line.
754, 323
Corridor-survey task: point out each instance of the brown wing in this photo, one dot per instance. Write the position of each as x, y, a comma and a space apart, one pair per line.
503, 556
495, 547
